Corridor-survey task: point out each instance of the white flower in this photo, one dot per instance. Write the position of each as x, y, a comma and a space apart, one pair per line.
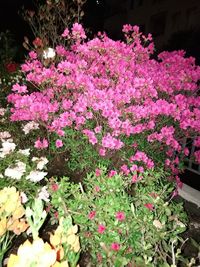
36, 176
49, 53
7, 147
41, 162
43, 194
4, 135
2, 111
25, 152
30, 126
24, 198
1, 176
16, 172
157, 224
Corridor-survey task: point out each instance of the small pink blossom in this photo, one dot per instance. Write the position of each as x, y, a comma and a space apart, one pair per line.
54, 187
59, 143
101, 228
134, 178
98, 172
112, 173
120, 216
65, 33
149, 206
19, 88
40, 144
115, 246
102, 152
92, 214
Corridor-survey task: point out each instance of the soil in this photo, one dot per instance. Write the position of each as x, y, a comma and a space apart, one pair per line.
193, 232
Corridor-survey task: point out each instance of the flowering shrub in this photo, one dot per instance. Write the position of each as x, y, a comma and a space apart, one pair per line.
119, 229
129, 107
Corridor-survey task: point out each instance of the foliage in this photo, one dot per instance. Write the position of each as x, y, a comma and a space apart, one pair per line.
117, 228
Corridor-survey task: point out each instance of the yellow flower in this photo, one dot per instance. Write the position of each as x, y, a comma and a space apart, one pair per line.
61, 264
3, 226
37, 254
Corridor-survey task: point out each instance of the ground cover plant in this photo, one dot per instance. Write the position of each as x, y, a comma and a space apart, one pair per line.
117, 119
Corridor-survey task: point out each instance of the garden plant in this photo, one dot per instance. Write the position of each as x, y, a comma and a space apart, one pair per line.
114, 121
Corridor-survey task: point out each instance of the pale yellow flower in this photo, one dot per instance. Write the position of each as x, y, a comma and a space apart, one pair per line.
37, 254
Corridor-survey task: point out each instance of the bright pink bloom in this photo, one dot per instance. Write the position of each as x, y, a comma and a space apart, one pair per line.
98, 172
102, 152
120, 216
149, 206
54, 187
92, 214
101, 228
112, 173
40, 144
65, 33
115, 246
19, 88
134, 178
59, 143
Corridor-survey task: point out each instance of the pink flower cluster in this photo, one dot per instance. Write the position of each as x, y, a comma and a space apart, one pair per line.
120, 89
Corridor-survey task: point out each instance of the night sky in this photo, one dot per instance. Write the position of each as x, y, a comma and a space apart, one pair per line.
9, 17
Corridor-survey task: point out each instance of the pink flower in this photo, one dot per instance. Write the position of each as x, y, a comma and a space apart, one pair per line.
149, 206
19, 88
78, 31
54, 187
65, 33
32, 55
115, 246
40, 144
97, 188
92, 214
120, 216
98, 172
101, 228
59, 143
102, 152
97, 129
134, 178
112, 173
37, 42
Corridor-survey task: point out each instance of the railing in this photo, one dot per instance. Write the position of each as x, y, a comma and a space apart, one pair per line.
190, 163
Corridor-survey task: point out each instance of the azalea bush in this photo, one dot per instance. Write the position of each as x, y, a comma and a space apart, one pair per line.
120, 224
128, 107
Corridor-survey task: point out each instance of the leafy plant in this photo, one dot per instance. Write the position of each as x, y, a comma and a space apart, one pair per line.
119, 229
